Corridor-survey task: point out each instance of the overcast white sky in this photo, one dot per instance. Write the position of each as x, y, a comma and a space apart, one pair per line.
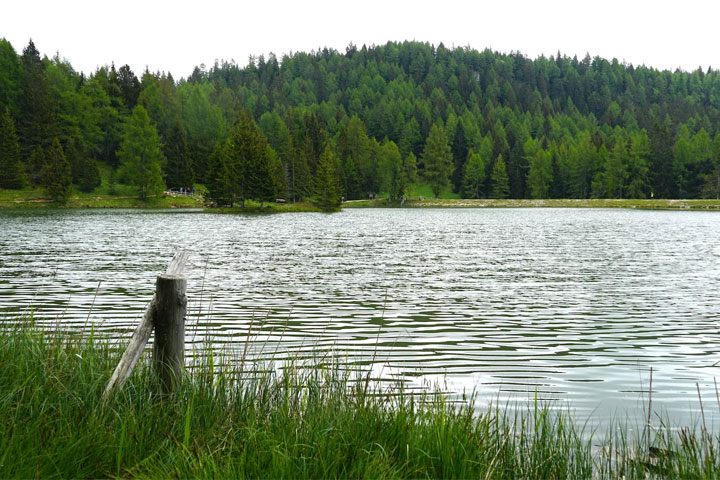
177, 35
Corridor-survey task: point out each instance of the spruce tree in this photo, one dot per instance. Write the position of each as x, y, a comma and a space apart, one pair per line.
499, 180
36, 122
178, 168
11, 167
57, 178
219, 181
437, 160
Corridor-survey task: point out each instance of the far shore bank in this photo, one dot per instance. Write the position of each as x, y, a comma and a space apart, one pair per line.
645, 204
34, 199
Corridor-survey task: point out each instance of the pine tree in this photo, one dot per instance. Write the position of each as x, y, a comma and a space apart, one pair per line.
11, 168
437, 160
499, 179
327, 193
57, 178
141, 155
36, 122
246, 156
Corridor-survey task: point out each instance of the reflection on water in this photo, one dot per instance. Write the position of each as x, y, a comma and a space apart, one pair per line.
575, 305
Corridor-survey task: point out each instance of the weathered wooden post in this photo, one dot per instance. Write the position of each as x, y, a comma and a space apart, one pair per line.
174, 301
169, 346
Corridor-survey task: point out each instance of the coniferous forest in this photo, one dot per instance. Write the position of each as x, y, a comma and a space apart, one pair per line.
327, 124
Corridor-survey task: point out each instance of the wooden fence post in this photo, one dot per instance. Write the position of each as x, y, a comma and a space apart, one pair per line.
169, 346
143, 331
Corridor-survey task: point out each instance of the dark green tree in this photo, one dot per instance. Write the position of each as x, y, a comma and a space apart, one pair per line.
141, 155
460, 156
437, 160
11, 167
37, 124
57, 178
247, 159
500, 187
220, 185
178, 167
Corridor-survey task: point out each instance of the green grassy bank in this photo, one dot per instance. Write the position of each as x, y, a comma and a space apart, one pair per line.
323, 422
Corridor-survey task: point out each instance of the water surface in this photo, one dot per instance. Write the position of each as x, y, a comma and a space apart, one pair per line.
571, 305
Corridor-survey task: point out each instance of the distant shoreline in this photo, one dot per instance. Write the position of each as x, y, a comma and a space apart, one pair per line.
88, 201
644, 204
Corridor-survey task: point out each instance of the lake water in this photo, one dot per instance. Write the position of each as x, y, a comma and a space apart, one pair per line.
571, 305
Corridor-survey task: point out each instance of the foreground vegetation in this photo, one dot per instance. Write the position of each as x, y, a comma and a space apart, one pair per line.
302, 421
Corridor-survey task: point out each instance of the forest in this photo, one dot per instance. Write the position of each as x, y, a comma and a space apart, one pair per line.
329, 125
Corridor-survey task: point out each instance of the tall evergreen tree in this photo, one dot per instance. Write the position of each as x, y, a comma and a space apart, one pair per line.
437, 160
247, 158
57, 178
220, 185
499, 180
37, 123
11, 167
460, 156
474, 176
178, 167
540, 175
141, 155
662, 182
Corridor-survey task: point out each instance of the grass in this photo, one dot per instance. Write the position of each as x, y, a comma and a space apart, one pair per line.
310, 419
119, 196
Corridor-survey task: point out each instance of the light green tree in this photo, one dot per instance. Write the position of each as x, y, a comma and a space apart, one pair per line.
141, 155
540, 174
437, 160
500, 187
474, 176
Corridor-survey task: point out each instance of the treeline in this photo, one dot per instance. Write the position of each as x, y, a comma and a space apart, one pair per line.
325, 124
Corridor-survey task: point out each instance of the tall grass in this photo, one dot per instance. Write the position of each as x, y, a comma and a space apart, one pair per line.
234, 418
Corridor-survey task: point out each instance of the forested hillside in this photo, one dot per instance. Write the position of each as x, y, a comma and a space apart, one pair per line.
327, 124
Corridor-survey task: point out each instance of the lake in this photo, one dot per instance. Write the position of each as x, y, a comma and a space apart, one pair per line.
572, 305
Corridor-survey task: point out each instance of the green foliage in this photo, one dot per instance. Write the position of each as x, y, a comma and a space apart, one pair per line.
327, 192
576, 111
10, 77
178, 167
474, 176
499, 180
11, 167
437, 160
37, 123
247, 161
57, 177
141, 155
